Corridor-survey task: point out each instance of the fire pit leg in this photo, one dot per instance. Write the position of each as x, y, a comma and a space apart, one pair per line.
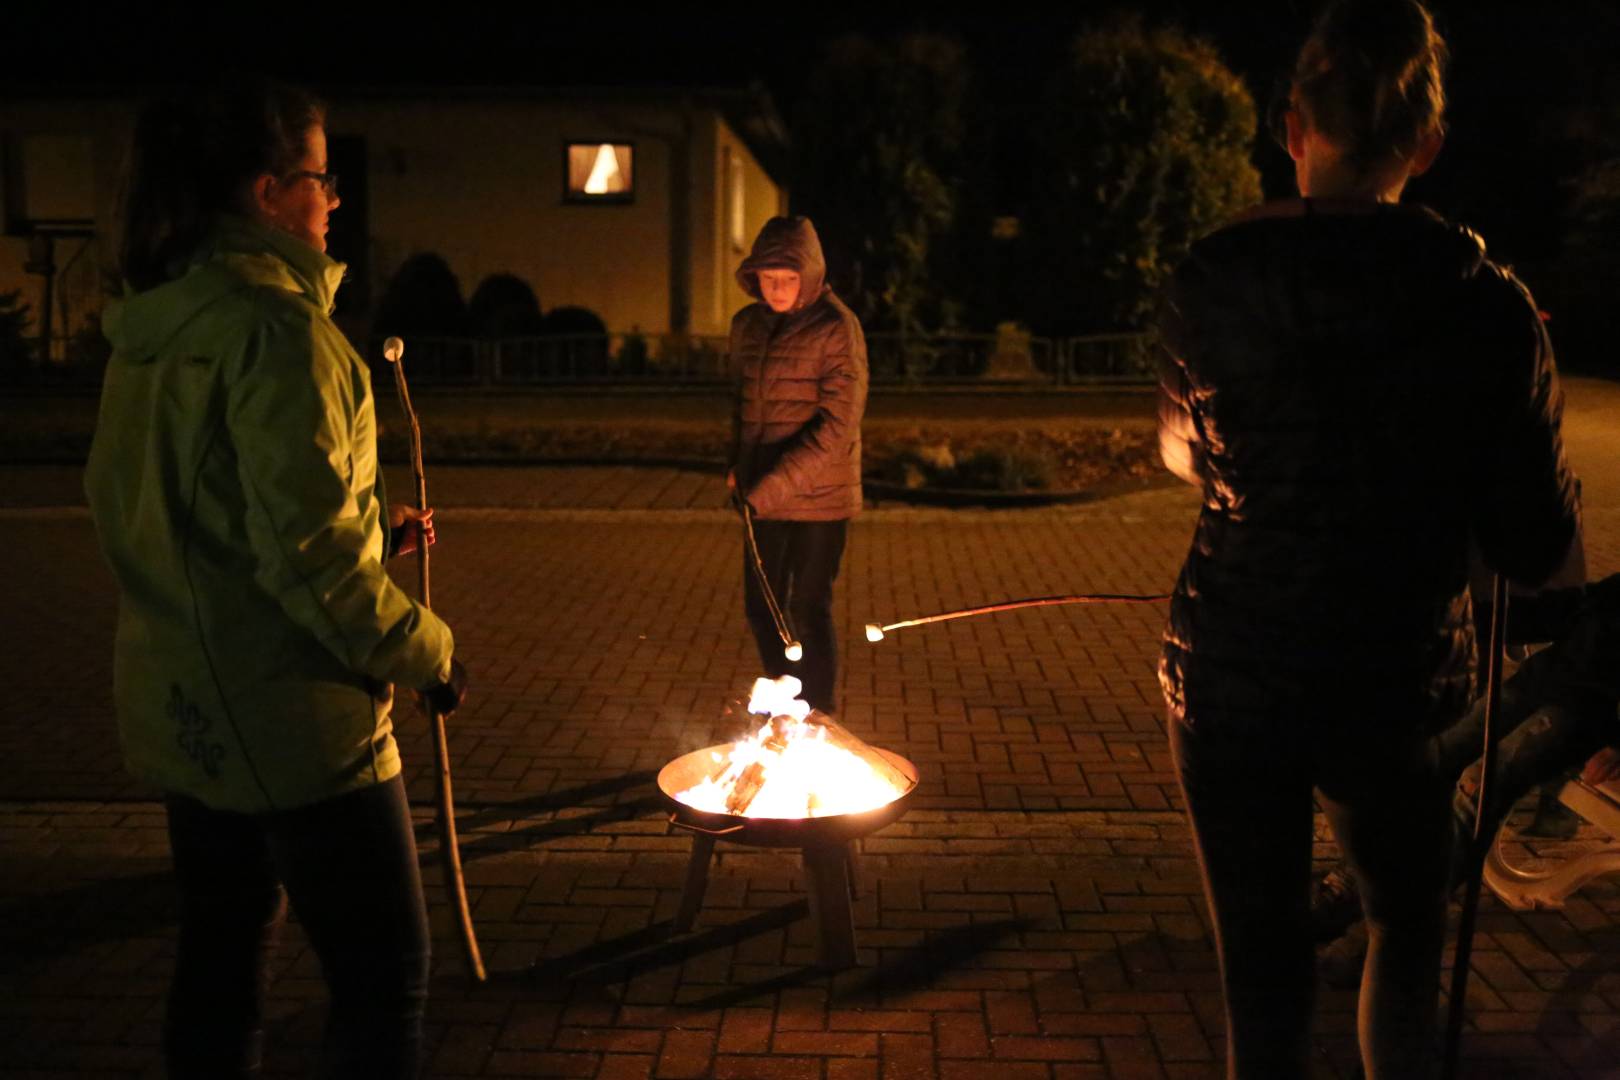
697, 882
827, 867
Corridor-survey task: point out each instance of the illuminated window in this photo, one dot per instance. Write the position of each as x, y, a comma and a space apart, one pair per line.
600, 172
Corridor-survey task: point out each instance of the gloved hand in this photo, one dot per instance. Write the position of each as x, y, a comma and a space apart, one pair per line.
445, 697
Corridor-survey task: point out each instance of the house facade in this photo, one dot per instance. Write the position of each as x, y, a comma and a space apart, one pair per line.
636, 205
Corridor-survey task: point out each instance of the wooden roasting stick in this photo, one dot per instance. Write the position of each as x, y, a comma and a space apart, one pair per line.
445, 818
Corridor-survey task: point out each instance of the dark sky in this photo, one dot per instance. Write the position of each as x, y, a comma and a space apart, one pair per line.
1525, 71
552, 42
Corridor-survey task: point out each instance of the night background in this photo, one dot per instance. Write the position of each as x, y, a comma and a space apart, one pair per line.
1534, 117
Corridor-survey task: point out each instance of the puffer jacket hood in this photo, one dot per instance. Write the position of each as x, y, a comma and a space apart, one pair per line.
1358, 391
786, 243
801, 387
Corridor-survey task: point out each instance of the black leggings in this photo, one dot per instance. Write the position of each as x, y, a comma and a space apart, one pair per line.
801, 560
349, 866
1248, 787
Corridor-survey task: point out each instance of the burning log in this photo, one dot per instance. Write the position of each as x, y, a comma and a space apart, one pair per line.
798, 763
845, 739
752, 778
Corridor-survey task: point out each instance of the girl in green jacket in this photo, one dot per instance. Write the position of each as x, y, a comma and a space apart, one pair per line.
234, 485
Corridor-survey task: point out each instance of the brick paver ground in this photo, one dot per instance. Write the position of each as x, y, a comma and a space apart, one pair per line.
1037, 914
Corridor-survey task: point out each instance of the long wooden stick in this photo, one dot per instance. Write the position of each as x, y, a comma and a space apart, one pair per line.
445, 817
1479, 845
790, 645
875, 633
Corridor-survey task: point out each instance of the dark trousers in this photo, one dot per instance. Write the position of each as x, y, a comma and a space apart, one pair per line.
1248, 788
349, 866
801, 562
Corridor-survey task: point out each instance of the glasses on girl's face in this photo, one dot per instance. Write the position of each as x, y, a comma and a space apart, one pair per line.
327, 180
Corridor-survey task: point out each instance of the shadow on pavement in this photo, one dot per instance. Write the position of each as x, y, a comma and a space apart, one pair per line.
622, 958
48, 924
531, 836
501, 843
916, 969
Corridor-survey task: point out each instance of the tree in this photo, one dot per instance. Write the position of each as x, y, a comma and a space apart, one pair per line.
880, 169
1144, 147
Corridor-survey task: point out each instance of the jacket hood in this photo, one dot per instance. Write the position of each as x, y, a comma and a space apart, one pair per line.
786, 243
240, 254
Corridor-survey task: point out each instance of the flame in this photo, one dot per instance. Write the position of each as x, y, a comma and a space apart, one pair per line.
810, 777
778, 697
605, 177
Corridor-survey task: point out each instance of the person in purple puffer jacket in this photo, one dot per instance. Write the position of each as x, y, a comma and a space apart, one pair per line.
800, 361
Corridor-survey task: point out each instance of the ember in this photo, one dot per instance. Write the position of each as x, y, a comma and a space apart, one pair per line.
798, 764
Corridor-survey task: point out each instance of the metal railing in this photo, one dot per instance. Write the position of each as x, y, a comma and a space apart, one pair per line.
1010, 360
566, 360
962, 359
894, 360
1124, 357
672, 360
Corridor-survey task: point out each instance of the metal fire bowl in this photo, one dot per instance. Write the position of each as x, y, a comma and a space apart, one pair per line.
689, 769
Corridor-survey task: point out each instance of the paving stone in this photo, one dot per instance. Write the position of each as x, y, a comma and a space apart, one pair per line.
1037, 915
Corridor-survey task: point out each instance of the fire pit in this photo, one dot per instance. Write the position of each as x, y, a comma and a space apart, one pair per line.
802, 782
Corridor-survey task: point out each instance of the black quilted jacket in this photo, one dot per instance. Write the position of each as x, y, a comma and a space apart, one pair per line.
801, 391
1357, 391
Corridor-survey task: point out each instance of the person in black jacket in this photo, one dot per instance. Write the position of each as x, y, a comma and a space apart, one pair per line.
1358, 390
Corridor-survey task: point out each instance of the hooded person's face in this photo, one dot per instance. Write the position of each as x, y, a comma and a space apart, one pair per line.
780, 288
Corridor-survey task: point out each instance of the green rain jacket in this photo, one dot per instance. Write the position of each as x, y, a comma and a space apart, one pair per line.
234, 485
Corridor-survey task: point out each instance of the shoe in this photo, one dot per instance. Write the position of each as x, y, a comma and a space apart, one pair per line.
1335, 905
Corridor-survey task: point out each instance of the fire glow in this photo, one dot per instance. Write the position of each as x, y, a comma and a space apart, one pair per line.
605, 178
793, 766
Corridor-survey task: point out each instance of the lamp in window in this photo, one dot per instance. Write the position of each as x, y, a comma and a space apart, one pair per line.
601, 172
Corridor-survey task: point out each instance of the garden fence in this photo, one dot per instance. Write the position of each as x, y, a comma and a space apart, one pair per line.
684, 360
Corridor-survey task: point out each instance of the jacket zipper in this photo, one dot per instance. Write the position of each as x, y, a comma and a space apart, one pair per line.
759, 392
